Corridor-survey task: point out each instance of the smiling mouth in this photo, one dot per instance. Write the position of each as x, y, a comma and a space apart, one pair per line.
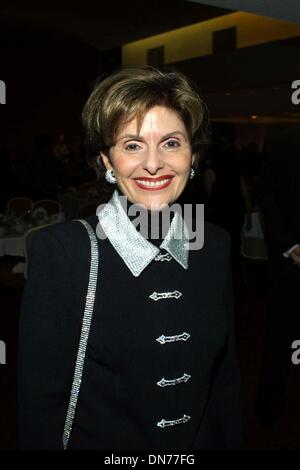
154, 184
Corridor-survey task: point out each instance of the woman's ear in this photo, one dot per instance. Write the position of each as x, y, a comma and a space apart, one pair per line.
193, 158
105, 161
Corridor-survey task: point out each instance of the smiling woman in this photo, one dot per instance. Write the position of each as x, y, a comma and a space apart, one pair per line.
151, 167
155, 116
127, 340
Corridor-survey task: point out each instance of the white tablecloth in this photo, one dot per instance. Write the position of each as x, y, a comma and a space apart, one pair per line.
13, 245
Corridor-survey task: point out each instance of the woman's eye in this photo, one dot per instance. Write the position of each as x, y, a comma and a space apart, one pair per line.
132, 147
172, 144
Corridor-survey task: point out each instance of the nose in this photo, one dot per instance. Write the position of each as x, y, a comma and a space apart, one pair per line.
153, 161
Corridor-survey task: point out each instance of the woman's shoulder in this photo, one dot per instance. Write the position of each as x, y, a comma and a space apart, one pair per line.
68, 233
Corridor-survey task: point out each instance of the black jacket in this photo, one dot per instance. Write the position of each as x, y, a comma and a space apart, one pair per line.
120, 402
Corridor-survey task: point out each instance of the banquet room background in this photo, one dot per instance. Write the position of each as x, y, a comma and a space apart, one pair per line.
244, 58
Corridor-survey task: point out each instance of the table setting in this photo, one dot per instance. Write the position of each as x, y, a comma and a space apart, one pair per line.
13, 228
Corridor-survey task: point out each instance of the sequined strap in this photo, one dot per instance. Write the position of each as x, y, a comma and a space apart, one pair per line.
86, 323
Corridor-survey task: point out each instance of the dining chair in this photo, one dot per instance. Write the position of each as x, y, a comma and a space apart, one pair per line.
50, 205
19, 205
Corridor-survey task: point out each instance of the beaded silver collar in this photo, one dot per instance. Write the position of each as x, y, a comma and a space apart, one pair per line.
134, 249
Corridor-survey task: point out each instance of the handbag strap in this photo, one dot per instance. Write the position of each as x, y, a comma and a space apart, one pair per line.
86, 323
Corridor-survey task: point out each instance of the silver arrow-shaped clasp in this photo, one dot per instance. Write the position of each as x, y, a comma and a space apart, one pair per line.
164, 423
164, 382
171, 339
165, 295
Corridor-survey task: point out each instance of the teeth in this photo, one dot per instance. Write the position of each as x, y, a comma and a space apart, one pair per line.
152, 184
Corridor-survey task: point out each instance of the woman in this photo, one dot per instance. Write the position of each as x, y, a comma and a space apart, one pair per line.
159, 370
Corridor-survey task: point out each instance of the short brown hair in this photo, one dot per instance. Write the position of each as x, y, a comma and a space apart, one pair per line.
131, 92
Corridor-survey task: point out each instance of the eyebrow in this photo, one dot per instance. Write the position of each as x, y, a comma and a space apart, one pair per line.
140, 138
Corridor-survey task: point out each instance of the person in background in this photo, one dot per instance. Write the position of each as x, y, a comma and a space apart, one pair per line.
279, 199
225, 203
47, 173
61, 150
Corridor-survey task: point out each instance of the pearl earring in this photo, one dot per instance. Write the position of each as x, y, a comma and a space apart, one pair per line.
110, 176
192, 173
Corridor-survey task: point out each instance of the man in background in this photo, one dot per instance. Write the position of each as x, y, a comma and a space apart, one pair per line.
279, 198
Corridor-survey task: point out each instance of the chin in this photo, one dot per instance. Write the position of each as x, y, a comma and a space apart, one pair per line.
151, 201
157, 206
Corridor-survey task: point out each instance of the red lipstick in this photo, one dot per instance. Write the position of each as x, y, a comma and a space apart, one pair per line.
153, 188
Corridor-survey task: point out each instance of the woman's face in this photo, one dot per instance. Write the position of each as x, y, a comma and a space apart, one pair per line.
152, 167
